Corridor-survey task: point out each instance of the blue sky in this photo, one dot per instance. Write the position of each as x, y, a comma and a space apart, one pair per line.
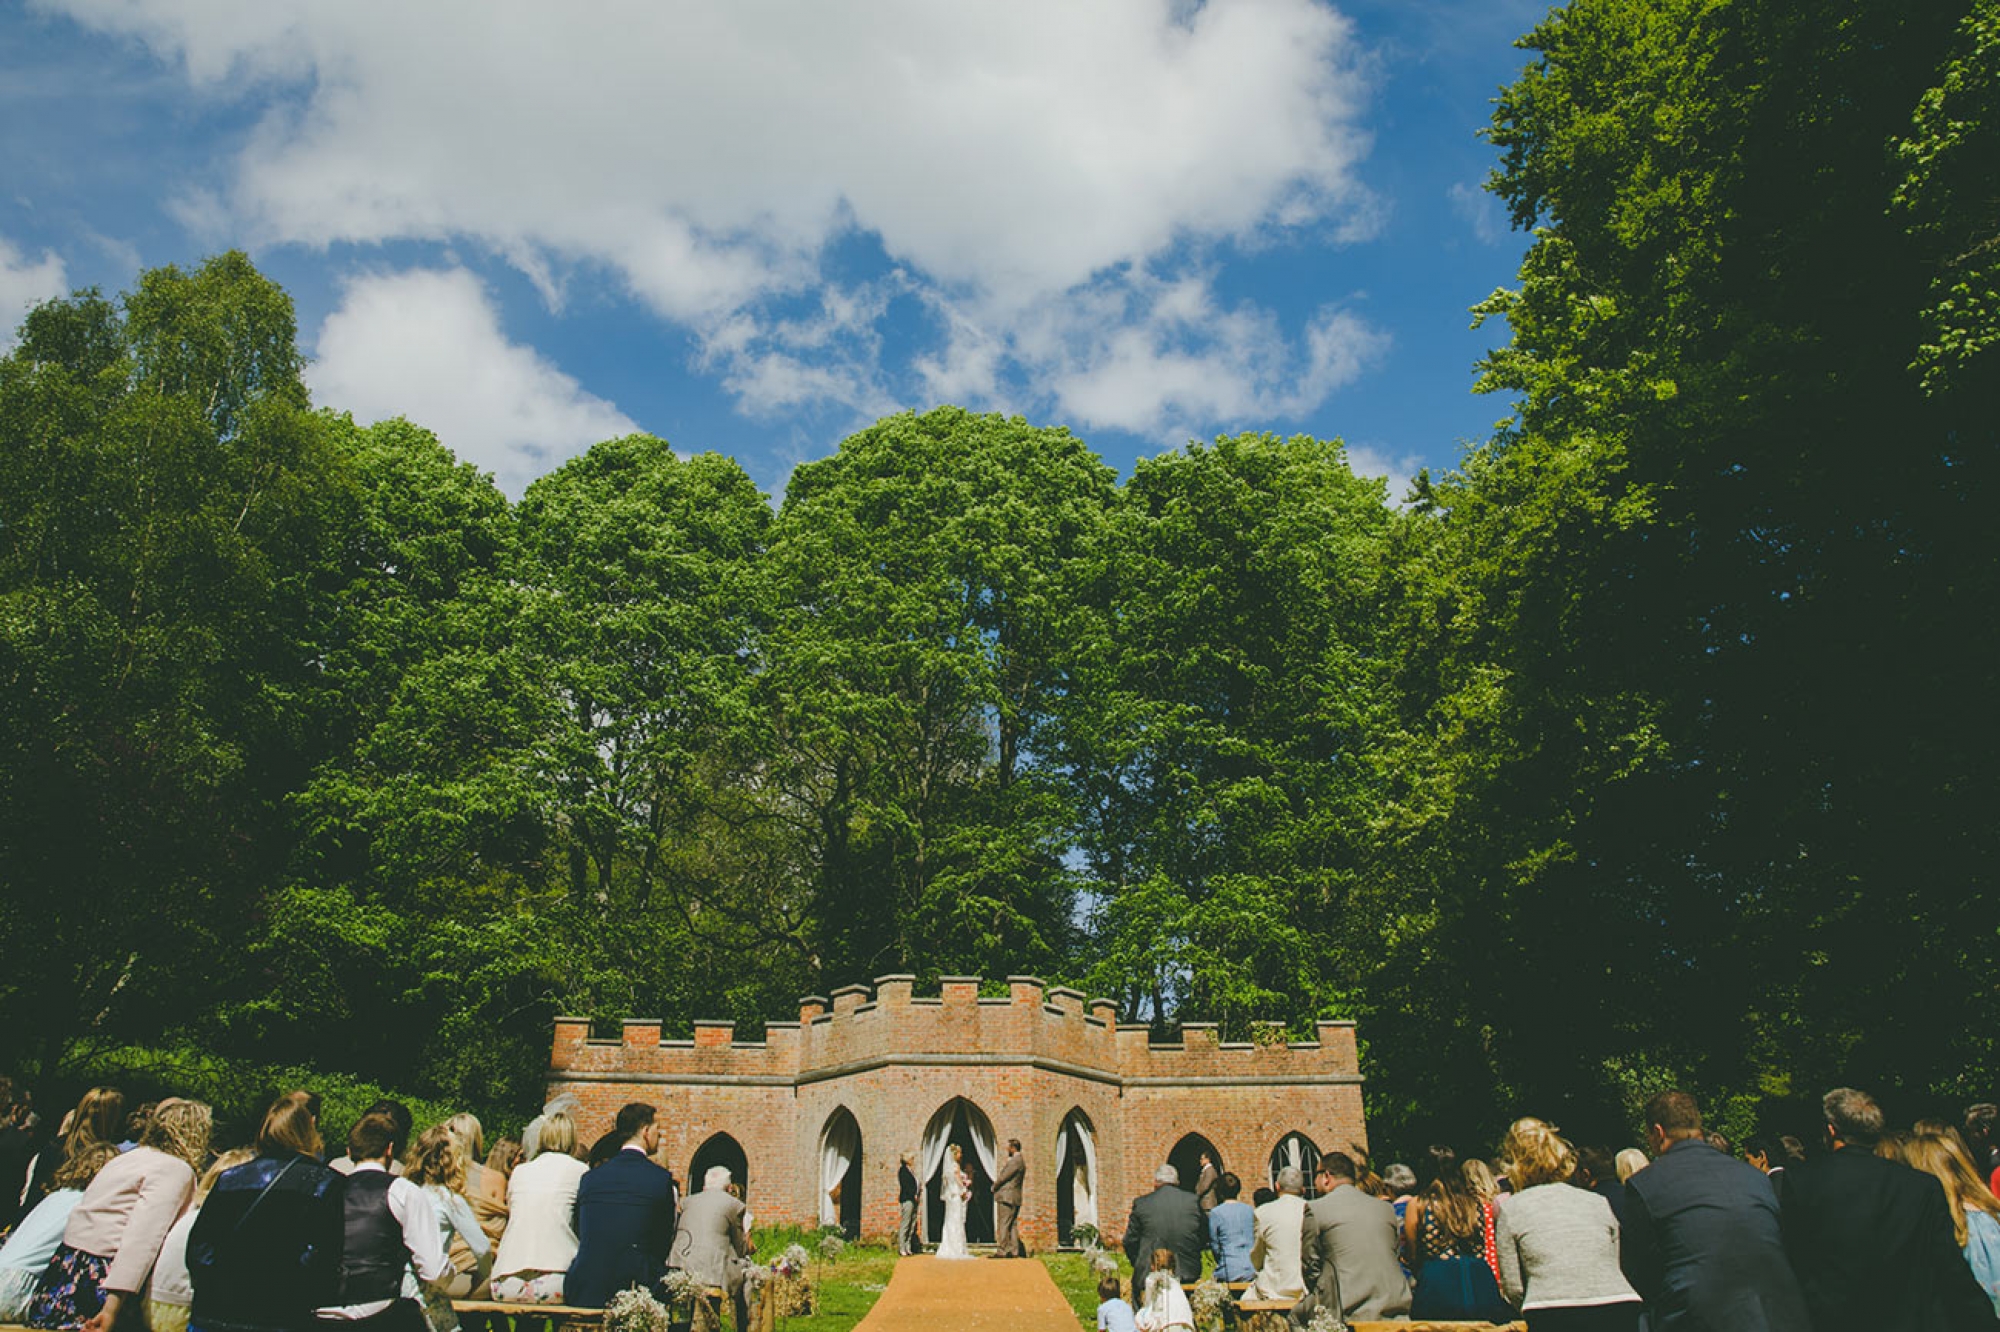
755, 227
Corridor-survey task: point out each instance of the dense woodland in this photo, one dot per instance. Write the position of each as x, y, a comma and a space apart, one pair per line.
1653, 744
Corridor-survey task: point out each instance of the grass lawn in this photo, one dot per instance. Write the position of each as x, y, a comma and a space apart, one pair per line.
1078, 1283
848, 1288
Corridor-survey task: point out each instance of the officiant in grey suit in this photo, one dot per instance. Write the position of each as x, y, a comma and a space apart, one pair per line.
1007, 1202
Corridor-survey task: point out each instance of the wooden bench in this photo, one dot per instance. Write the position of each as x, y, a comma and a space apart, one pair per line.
557, 1315
1264, 1315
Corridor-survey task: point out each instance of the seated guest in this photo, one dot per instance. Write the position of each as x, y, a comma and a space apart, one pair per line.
506, 1154
540, 1240
1597, 1170
624, 1216
1232, 1229
1975, 1212
1166, 1218
1113, 1314
268, 1272
485, 1188
1871, 1240
1276, 1249
97, 1121
531, 1136
39, 1234
437, 1166
710, 1240
170, 1295
113, 1237
17, 1149
1348, 1250
1164, 1305
389, 1227
1261, 1195
405, 1123
1701, 1241
1630, 1162
1559, 1244
1444, 1233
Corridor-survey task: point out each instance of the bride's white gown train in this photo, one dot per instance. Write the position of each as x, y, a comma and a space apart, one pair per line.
951, 1244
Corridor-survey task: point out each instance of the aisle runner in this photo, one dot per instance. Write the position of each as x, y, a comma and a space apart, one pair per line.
979, 1294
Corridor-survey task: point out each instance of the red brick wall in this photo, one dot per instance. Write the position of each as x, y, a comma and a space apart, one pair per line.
892, 1059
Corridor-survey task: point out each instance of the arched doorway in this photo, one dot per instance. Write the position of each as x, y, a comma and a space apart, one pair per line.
840, 1173
1076, 1176
1296, 1149
960, 1122
720, 1150
1185, 1158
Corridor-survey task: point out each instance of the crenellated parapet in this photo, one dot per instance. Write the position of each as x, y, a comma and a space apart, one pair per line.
859, 1027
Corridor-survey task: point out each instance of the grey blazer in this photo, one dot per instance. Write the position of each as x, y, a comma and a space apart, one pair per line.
1350, 1258
709, 1244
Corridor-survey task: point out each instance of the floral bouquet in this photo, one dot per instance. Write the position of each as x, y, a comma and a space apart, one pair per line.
1207, 1298
1326, 1320
635, 1310
790, 1290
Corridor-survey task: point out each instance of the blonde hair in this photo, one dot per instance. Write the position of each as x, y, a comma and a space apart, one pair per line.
1536, 1154
79, 1169
438, 1158
1630, 1162
224, 1163
181, 1129
1479, 1177
466, 1128
558, 1134
97, 1121
1940, 1156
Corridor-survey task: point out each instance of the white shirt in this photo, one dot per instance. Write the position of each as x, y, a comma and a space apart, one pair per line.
417, 1215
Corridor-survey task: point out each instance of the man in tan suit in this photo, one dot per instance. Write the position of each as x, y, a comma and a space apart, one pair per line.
1007, 1202
1275, 1251
1349, 1251
1208, 1184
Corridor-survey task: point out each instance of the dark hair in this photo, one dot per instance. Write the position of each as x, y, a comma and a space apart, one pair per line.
1262, 1196
137, 1119
1015, 1143
1437, 1162
1339, 1165
1446, 1194
1229, 1186
399, 1115
1676, 1112
1718, 1141
1795, 1151
1764, 1145
1853, 1116
1980, 1123
634, 1116
1108, 1287
291, 1125
1600, 1163
373, 1137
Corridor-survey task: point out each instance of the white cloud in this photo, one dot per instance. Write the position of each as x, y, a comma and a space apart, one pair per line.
427, 345
1479, 210
24, 284
1007, 157
1374, 460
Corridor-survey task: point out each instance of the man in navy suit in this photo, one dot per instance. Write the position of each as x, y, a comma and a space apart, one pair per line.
624, 1217
1872, 1240
1701, 1237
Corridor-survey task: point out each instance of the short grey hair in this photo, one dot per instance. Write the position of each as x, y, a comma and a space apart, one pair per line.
1853, 1116
1166, 1174
717, 1178
1400, 1177
1291, 1180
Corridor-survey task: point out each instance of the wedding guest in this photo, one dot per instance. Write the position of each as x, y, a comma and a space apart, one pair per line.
624, 1215
170, 1295
17, 1149
1558, 1245
531, 1136
1484, 1184
1207, 1183
389, 1230
1164, 1304
906, 1204
540, 1240
97, 1121
1232, 1230
506, 1154
1348, 1252
1166, 1218
1975, 1213
485, 1188
1871, 1240
1277, 1250
1444, 1233
269, 1276
1981, 1128
405, 1123
1113, 1313
1401, 1179
115, 1232
1630, 1162
135, 1124
39, 1234
710, 1241
1702, 1242
438, 1167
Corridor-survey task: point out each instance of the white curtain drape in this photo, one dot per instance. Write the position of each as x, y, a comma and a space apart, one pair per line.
982, 1138
837, 1151
937, 1136
1083, 1162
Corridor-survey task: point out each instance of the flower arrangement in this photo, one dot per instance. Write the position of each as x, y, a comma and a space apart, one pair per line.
679, 1288
793, 1294
635, 1310
831, 1244
1326, 1320
792, 1261
1086, 1236
1207, 1299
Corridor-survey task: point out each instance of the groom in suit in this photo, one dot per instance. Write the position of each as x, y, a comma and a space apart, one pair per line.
1007, 1201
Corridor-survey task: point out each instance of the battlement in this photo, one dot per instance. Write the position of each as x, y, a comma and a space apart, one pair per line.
861, 1027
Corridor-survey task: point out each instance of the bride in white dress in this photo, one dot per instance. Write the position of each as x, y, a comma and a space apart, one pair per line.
956, 1186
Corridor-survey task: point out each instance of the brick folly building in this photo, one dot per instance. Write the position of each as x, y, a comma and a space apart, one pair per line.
812, 1119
